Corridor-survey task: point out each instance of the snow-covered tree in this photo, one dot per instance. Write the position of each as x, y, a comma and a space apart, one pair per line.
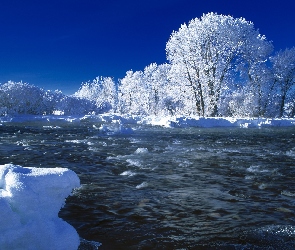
133, 94
21, 98
102, 90
68, 105
158, 88
208, 52
24, 98
148, 92
284, 79
218, 66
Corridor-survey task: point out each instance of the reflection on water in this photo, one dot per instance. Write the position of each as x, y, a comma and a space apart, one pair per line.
148, 187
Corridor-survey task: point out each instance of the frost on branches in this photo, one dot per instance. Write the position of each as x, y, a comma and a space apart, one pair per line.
213, 54
101, 91
23, 98
218, 66
148, 92
284, 81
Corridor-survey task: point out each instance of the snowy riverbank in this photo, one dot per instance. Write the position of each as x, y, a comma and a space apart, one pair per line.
208, 122
165, 121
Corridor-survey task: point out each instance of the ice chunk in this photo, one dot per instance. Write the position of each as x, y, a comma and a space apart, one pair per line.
30, 199
141, 151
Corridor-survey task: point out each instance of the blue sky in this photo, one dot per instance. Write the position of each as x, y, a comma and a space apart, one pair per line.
60, 44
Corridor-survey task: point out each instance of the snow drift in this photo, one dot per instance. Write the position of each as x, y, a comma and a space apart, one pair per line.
30, 199
116, 123
208, 122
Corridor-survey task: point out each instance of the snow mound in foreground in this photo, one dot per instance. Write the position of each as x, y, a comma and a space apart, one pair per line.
30, 199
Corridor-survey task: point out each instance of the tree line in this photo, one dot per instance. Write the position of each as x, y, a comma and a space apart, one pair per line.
217, 66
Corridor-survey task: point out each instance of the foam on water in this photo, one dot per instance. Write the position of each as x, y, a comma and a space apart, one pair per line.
128, 173
288, 193
115, 129
291, 153
76, 141
141, 151
257, 169
270, 237
134, 162
51, 127
142, 185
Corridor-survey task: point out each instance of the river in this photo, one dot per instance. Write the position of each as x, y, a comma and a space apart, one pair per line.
150, 187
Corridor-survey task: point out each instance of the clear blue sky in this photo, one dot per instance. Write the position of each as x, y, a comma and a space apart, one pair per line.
60, 44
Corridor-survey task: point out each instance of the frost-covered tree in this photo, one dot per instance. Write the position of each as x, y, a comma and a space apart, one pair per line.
69, 105
218, 66
208, 52
158, 88
147, 92
181, 92
133, 94
153, 83
284, 79
102, 90
21, 98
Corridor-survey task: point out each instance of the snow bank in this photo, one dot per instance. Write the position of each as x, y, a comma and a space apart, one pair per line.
122, 119
164, 121
102, 118
30, 199
40, 118
210, 122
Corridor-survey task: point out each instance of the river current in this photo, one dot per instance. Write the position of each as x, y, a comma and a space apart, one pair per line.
150, 187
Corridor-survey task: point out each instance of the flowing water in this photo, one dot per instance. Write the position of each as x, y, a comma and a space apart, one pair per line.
147, 187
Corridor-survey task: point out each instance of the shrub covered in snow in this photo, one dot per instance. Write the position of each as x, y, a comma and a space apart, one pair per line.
21, 98
101, 91
24, 98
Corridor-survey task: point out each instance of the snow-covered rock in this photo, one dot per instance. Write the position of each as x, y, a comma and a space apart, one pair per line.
30, 199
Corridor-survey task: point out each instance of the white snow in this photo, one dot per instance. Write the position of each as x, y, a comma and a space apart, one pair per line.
119, 124
30, 199
209, 122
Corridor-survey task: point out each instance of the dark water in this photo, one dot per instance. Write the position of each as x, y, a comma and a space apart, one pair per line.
165, 188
